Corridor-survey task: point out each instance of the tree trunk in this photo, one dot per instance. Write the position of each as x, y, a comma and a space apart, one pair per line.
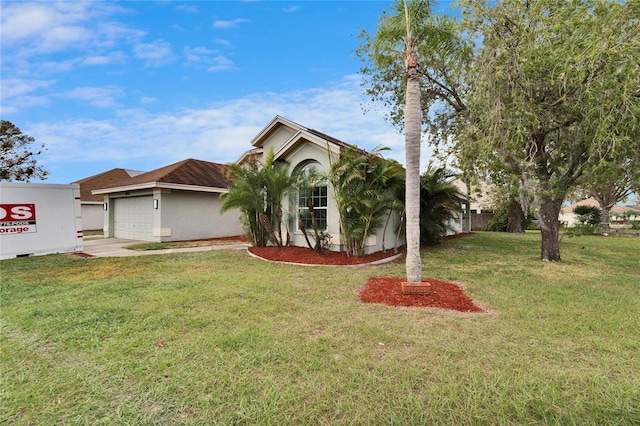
468, 206
412, 132
550, 228
264, 220
606, 210
514, 219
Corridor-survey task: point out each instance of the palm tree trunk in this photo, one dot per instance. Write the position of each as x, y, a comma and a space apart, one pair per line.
412, 132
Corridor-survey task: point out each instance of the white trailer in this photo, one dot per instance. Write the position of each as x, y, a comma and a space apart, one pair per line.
38, 219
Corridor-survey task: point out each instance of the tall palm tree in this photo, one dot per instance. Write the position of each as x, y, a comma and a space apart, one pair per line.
407, 26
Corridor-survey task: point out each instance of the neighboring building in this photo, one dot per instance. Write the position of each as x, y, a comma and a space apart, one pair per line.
479, 207
93, 204
305, 148
174, 203
568, 218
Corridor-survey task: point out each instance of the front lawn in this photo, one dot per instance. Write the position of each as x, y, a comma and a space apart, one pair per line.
217, 337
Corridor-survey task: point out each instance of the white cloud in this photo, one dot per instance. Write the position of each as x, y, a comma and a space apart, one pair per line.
187, 8
198, 54
17, 94
223, 25
221, 132
223, 43
208, 57
12, 87
103, 97
113, 57
222, 63
291, 9
155, 53
44, 27
145, 100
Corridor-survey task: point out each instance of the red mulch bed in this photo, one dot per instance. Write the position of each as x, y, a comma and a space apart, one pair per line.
305, 255
444, 295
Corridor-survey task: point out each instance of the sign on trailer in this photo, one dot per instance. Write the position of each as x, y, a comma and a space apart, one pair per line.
17, 218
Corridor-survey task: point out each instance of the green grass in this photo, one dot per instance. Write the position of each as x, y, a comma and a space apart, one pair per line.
218, 337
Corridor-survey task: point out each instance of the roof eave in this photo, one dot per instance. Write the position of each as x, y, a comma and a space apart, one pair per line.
161, 185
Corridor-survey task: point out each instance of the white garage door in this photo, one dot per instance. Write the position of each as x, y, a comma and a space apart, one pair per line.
133, 218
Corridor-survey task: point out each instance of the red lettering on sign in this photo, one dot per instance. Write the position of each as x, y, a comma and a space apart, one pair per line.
14, 212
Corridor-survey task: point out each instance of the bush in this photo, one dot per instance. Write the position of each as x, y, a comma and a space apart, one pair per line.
588, 215
500, 221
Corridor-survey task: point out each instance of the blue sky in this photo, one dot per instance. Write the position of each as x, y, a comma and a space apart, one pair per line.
140, 85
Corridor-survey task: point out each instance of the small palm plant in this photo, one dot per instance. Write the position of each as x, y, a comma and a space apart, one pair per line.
440, 203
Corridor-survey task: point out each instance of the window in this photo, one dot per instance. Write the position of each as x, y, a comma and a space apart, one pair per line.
318, 198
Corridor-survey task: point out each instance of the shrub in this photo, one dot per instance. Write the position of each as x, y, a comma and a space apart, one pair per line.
588, 215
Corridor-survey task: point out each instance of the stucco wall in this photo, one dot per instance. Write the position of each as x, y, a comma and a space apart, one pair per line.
277, 139
187, 215
92, 216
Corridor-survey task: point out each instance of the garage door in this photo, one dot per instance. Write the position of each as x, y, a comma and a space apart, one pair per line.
133, 218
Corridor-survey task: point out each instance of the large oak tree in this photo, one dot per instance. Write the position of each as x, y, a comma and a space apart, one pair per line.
556, 88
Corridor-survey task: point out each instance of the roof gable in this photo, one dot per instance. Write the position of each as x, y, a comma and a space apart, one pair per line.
103, 180
261, 138
300, 135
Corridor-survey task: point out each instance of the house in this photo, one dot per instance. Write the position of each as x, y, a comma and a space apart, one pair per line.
568, 218
92, 204
173, 203
304, 148
480, 208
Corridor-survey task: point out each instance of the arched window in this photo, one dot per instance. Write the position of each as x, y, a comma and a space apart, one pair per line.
312, 200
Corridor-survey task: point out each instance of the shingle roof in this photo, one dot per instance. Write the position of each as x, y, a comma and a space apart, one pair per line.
185, 172
333, 140
103, 180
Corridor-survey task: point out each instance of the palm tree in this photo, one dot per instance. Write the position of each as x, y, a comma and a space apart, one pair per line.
278, 183
247, 193
407, 26
440, 203
365, 186
258, 192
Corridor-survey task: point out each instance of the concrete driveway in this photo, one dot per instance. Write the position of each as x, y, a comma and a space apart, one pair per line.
116, 247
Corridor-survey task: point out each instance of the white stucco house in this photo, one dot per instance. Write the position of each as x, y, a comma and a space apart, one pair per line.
569, 219
181, 201
173, 203
304, 148
480, 206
